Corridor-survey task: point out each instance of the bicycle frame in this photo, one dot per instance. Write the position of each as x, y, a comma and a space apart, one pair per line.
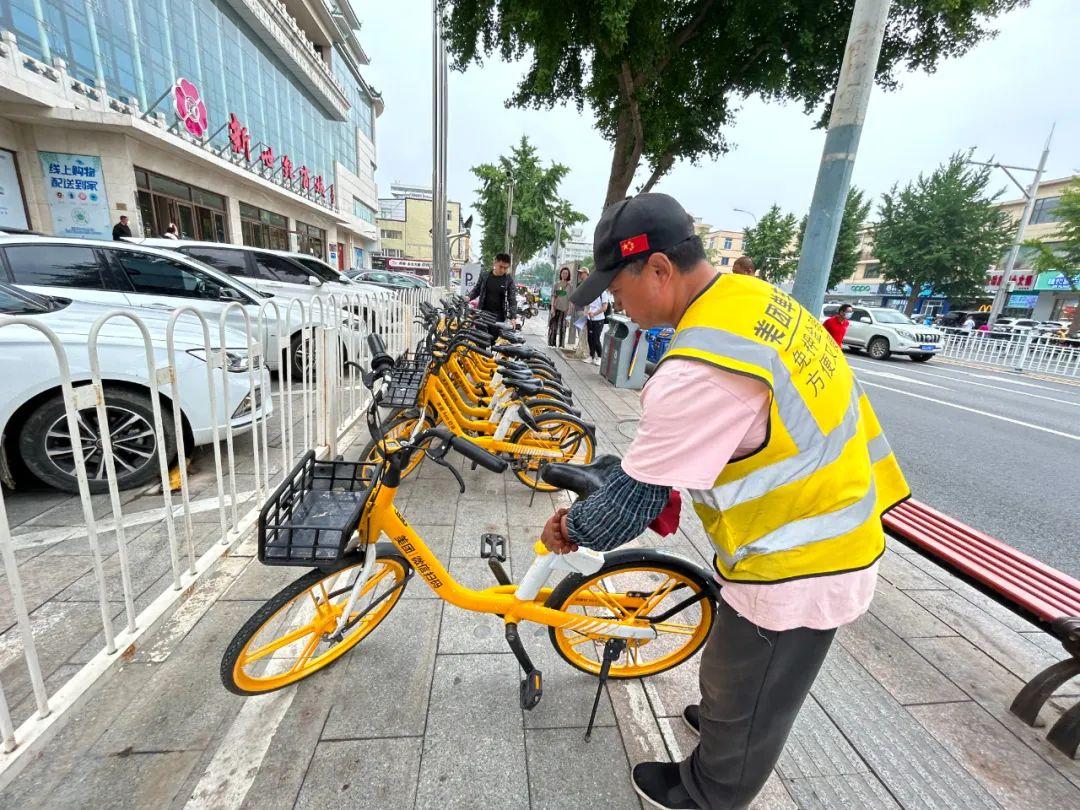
383, 518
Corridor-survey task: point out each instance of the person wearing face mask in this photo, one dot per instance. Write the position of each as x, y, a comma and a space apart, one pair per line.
837, 325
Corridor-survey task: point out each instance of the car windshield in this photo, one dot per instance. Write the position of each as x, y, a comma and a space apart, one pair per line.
891, 316
23, 302
319, 269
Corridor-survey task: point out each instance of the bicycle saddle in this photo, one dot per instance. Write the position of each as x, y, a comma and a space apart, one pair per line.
525, 388
514, 350
581, 479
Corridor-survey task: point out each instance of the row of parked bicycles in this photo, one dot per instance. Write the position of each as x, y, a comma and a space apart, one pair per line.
470, 386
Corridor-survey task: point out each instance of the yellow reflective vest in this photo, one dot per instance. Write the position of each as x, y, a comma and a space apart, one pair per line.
810, 500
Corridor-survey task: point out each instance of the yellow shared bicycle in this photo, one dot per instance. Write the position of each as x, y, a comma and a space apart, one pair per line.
628, 613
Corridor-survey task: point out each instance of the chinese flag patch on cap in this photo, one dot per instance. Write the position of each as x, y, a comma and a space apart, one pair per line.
635, 244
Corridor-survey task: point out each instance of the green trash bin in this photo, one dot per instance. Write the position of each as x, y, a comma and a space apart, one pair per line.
625, 351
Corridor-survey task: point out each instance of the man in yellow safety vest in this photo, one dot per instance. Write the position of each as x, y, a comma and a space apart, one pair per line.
755, 413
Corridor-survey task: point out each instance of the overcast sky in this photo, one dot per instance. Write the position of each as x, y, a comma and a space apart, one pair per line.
1000, 98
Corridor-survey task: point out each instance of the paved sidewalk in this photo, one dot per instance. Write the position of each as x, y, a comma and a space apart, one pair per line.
910, 709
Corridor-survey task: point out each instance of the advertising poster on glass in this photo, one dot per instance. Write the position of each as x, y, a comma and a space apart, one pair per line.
75, 189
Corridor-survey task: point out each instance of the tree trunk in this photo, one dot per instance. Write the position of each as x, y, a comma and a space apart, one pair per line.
626, 153
910, 307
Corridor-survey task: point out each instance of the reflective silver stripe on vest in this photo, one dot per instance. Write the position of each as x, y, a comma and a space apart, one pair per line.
798, 422
808, 530
879, 448
763, 480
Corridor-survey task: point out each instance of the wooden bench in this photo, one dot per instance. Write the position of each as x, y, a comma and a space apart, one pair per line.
1040, 592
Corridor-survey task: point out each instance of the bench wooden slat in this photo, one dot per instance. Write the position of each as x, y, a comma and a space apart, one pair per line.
1036, 587
1025, 578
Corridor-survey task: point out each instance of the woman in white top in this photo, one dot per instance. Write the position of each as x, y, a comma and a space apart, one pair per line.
595, 313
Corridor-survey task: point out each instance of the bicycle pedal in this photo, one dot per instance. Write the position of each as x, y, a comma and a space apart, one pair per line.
493, 546
532, 689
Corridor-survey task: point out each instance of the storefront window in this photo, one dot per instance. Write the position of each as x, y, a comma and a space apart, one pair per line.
263, 229
311, 240
197, 213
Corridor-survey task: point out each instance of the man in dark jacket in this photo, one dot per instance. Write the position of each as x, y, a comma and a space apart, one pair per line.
494, 290
121, 229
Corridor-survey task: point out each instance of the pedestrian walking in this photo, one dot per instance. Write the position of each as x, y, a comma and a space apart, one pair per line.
495, 291
743, 266
121, 229
579, 320
743, 413
170, 232
837, 325
969, 323
560, 306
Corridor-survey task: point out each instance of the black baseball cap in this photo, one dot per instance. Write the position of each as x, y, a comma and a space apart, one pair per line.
632, 229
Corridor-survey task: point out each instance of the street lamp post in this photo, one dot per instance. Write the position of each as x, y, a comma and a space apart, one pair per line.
748, 213
1030, 194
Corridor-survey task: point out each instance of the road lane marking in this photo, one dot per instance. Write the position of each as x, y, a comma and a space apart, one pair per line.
976, 410
1000, 377
1074, 403
890, 376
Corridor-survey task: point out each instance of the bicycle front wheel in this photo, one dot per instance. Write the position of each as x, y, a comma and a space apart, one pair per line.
288, 638
394, 433
644, 588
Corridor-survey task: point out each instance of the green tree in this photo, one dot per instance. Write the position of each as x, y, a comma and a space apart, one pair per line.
846, 256
1061, 253
665, 78
539, 273
536, 202
942, 231
768, 244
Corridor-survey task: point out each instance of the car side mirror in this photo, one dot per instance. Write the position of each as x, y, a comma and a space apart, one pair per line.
863, 319
229, 294
314, 281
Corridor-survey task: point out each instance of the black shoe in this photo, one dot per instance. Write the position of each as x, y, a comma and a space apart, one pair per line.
659, 783
691, 716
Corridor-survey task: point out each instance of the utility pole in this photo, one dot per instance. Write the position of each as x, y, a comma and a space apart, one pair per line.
509, 215
1030, 193
555, 249
440, 254
841, 144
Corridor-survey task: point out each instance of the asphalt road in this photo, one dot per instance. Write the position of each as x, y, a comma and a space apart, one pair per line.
997, 450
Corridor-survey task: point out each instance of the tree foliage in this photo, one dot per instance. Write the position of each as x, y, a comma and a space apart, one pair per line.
1061, 253
536, 202
664, 77
769, 243
942, 231
846, 256
539, 273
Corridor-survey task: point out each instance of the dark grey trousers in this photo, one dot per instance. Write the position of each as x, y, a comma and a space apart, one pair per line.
753, 683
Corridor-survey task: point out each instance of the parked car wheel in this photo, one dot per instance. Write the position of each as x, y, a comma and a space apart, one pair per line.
879, 348
46, 445
920, 358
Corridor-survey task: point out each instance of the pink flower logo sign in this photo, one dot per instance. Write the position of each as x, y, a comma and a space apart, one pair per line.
190, 109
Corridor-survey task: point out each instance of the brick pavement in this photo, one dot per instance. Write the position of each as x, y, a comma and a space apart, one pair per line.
909, 710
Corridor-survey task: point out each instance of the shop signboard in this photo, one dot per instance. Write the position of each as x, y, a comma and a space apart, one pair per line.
1055, 280
409, 265
75, 188
1022, 301
857, 288
12, 207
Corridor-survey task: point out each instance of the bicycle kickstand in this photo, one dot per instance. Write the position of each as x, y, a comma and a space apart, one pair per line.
613, 648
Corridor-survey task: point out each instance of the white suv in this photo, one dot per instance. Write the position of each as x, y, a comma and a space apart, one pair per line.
128, 275
33, 424
882, 331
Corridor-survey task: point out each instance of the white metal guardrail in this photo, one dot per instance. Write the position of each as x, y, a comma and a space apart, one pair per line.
316, 402
1026, 351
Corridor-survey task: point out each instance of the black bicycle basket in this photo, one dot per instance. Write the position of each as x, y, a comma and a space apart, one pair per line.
312, 516
406, 381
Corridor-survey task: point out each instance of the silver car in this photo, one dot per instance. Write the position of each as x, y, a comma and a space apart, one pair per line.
883, 331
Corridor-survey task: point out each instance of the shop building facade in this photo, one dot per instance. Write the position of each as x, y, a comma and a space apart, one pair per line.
240, 121
405, 225
724, 246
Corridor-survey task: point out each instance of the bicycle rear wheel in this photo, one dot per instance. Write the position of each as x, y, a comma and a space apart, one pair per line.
287, 639
640, 587
567, 434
